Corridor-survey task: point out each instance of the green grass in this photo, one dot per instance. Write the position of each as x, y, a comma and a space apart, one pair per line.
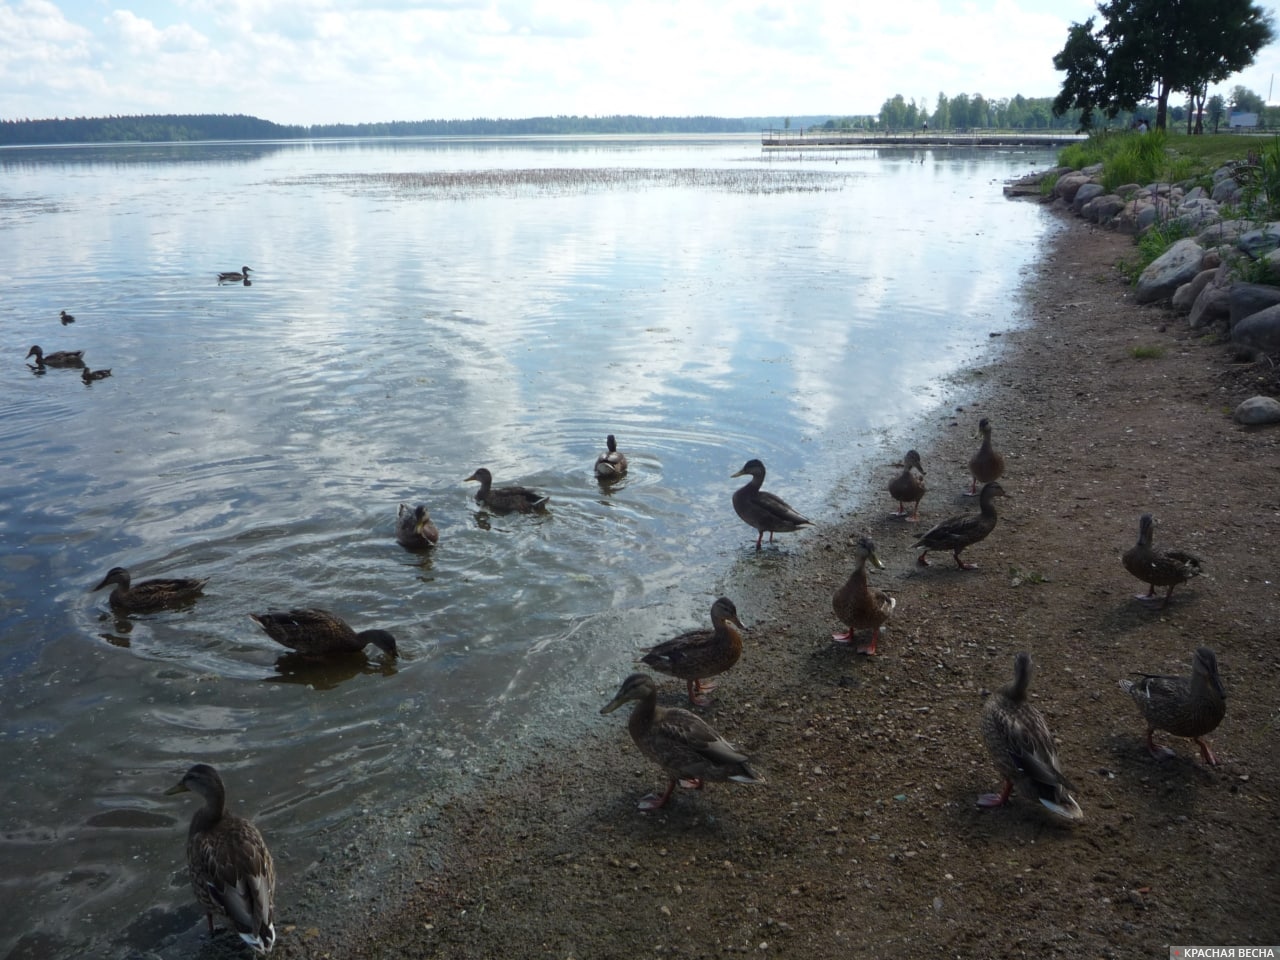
1145, 352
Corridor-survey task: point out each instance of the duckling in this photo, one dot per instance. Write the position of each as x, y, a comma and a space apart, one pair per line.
59, 358
681, 743
231, 868
906, 487
415, 529
149, 595
1165, 568
956, 533
986, 465
762, 510
611, 464
1022, 747
66, 318
319, 633
697, 654
857, 604
1186, 707
232, 276
88, 376
506, 499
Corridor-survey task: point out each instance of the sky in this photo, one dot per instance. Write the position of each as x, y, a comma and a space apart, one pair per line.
351, 61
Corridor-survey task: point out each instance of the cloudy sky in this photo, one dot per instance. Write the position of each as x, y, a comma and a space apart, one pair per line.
318, 61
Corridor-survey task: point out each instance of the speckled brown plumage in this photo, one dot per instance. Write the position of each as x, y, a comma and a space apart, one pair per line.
149, 595
956, 533
857, 604
1184, 706
1159, 568
761, 510
319, 633
511, 499
987, 464
906, 487
695, 655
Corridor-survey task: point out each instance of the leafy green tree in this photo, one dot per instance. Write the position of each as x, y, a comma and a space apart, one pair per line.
959, 110
1217, 109
1246, 101
941, 119
1146, 50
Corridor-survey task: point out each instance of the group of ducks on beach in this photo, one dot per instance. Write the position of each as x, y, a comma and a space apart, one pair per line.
72, 359
230, 866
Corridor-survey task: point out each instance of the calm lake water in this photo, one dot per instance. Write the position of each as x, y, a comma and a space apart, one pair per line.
419, 309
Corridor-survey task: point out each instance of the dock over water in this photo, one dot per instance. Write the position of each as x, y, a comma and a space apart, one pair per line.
856, 139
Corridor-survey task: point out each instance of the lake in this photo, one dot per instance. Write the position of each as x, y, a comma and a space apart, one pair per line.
418, 309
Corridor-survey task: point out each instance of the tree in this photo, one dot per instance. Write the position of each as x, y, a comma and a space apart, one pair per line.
1147, 50
1244, 100
1217, 107
942, 113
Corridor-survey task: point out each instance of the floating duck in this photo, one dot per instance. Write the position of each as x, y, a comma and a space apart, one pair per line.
1159, 568
956, 533
761, 510
697, 654
860, 606
59, 358
510, 499
414, 528
906, 487
232, 276
231, 869
986, 465
681, 743
149, 595
1022, 747
611, 465
88, 376
319, 633
66, 318
1184, 706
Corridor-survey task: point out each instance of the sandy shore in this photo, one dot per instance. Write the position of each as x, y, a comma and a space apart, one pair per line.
866, 840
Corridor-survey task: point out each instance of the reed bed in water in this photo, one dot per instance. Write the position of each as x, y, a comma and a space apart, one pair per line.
561, 181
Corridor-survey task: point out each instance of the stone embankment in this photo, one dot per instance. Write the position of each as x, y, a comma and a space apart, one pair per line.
1205, 275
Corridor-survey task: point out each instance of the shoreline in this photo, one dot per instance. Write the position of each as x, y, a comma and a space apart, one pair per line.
865, 838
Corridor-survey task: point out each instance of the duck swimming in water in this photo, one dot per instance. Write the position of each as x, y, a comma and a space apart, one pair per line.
512, 499
234, 276
59, 358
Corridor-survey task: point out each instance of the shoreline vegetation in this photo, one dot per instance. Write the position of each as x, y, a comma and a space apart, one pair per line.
866, 838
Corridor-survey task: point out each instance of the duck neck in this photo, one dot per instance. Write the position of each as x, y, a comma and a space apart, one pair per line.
643, 714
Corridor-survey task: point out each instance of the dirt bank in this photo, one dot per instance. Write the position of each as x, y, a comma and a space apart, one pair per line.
866, 840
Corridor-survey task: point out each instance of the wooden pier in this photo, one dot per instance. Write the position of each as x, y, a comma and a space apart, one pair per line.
857, 139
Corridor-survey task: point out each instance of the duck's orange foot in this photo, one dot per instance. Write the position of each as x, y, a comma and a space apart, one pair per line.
868, 648
652, 802
1206, 753
846, 637
691, 783
990, 800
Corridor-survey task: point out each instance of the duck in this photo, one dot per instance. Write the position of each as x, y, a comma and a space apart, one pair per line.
505, 499
231, 276
150, 595
88, 376
906, 487
859, 605
987, 464
231, 869
1159, 568
66, 318
59, 358
1022, 747
761, 510
318, 633
697, 654
1184, 706
956, 533
684, 745
611, 465
415, 529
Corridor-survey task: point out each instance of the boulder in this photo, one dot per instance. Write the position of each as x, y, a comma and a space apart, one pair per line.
1176, 266
1085, 193
1184, 297
1102, 209
1127, 190
1248, 298
1068, 184
1259, 331
1258, 410
1213, 305
1226, 191
1258, 243
1224, 231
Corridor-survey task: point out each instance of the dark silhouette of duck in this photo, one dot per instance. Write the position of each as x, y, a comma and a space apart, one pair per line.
59, 358
234, 276
762, 510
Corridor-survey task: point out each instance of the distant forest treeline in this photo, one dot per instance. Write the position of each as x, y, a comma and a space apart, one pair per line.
184, 127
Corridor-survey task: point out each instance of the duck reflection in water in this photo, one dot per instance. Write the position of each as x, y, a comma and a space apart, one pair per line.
328, 673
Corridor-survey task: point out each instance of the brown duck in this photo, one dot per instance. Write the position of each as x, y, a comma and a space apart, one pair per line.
319, 633
859, 605
510, 499
987, 464
683, 744
1184, 706
1022, 747
762, 510
697, 654
1159, 568
906, 487
231, 869
612, 463
956, 533
149, 595
415, 529
59, 358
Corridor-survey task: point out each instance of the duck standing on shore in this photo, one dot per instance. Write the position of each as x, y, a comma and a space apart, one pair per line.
1159, 568
1021, 745
684, 745
1184, 706
906, 487
762, 510
987, 464
231, 869
956, 533
697, 654
859, 605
